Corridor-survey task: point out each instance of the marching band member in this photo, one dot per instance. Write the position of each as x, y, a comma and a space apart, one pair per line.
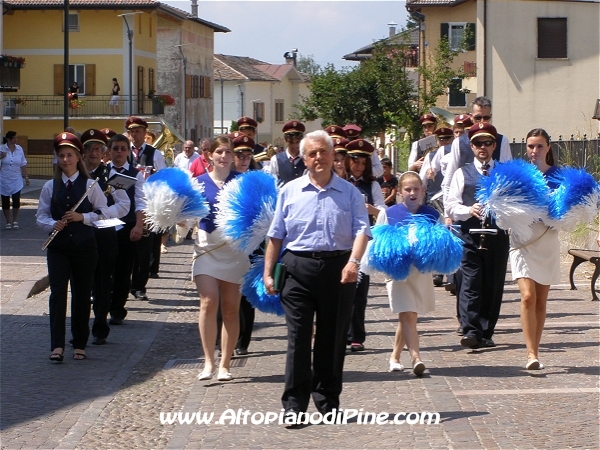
72, 254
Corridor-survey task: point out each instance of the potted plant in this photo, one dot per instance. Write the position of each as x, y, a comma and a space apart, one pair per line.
160, 101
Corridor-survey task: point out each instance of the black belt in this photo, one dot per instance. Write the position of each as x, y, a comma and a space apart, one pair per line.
320, 255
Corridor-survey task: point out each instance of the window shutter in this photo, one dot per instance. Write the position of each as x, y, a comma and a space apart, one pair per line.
59, 75
90, 79
471, 31
444, 30
207, 92
188, 86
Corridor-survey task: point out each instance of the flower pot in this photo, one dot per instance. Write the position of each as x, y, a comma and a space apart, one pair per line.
158, 108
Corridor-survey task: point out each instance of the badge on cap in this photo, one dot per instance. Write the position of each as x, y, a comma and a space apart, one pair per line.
481, 125
360, 143
64, 135
295, 123
245, 138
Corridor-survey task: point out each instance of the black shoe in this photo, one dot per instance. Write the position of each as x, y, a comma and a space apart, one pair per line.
154, 275
438, 280
99, 341
356, 347
292, 412
139, 295
470, 342
459, 330
115, 321
241, 351
487, 343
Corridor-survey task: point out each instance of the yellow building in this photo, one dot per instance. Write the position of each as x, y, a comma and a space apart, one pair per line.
105, 42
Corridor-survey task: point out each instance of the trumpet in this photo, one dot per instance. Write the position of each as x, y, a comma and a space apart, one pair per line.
55, 232
483, 232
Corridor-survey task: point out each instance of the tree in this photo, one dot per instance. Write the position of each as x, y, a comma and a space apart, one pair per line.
307, 64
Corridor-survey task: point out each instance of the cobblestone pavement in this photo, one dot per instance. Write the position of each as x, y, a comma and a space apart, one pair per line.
113, 399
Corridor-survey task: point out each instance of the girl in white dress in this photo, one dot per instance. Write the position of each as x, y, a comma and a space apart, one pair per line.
535, 263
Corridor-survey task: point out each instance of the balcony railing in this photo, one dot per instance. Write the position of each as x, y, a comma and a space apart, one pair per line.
86, 106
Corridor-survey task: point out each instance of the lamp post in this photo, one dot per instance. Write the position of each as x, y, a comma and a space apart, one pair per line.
130, 37
66, 68
184, 61
221, 78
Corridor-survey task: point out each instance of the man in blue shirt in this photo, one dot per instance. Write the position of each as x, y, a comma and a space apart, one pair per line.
321, 221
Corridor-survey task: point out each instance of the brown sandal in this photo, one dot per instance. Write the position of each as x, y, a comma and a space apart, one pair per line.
79, 355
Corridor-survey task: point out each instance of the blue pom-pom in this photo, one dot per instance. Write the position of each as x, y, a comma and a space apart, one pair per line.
245, 209
435, 248
390, 252
516, 195
574, 200
173, 196
255, 291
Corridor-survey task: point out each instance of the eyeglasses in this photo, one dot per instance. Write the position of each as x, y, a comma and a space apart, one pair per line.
243, 157
479, 118
479, 144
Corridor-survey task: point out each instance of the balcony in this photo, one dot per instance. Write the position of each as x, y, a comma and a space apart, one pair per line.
51, 106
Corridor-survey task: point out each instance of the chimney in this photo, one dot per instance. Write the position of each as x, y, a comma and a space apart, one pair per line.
195, 8
290, 57
392, 26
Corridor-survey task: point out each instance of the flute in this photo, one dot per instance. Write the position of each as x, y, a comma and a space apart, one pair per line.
55, 232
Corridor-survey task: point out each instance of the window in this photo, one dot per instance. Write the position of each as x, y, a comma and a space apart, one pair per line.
83, 74
258, 110
552, 37
73, 22
456, 97
279, 111
455, 31
77, 75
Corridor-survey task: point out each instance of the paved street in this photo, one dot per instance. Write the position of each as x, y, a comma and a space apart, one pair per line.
113, 399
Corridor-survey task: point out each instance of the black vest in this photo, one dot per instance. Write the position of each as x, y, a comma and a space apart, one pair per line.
471, 177
130, 216
146, 158
365, 189
62, 201
101, 173
287, 170
466, 152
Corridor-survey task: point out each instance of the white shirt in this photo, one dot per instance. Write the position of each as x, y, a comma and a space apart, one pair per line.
159, 159
273, 167
140, 198
183, 162
454, 160
414, 151
96, 197
454, 204
377, 168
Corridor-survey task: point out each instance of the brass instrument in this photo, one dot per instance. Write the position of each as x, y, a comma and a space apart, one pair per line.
441, 113
266, 155
166, 140
55, 232
483, 232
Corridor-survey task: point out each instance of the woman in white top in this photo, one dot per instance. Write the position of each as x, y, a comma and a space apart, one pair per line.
13, 168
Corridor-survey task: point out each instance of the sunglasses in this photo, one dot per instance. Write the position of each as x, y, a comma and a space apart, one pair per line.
479, 118
479, 144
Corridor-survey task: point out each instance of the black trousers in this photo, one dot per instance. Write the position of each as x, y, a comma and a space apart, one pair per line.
246, 323
108, 249
313, 287
122, 272
16, 200
76, 263
482, 283
357, 332
155, 252
141, 265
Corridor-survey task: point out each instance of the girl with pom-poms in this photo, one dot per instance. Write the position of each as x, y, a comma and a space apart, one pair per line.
217, 268
415, 294
535, 262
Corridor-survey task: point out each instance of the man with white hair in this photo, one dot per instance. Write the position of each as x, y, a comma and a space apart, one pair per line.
185, 159
321, 221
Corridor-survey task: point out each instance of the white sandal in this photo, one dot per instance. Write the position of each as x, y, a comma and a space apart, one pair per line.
8, 226
15, 225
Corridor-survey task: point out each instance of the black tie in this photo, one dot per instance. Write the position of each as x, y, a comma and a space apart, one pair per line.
119, 169
485, 169
69, 185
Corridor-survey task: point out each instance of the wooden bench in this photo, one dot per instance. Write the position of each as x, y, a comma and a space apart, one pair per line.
582, 255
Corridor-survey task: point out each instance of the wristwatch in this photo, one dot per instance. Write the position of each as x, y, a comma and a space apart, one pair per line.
355, 261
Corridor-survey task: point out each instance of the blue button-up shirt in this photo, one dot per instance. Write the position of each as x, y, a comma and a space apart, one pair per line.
309, 218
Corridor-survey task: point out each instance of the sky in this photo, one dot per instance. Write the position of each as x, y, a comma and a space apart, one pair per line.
265, 30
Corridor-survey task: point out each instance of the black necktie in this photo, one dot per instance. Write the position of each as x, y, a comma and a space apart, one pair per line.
119, 169
69, 185
485, 169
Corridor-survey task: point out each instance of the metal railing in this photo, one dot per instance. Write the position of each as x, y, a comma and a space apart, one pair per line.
85, 106
584, 153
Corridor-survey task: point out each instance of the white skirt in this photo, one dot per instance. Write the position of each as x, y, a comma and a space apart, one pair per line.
538, 258
415, 294
217, 259
114, 100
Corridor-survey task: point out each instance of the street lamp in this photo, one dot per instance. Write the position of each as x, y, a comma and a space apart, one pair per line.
184, 61
130, 37
222, 124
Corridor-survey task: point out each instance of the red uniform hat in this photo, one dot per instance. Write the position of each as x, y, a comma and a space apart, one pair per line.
443, 132
352, 131
108, 132
335, 131
483, 129
339, 144
247, 122
293, 126
242, 142
134, 122
463, 119
68, 139
93, 135
360, 147
427, 118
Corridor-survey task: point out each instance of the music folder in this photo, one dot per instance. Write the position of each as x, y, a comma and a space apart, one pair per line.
120, 181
